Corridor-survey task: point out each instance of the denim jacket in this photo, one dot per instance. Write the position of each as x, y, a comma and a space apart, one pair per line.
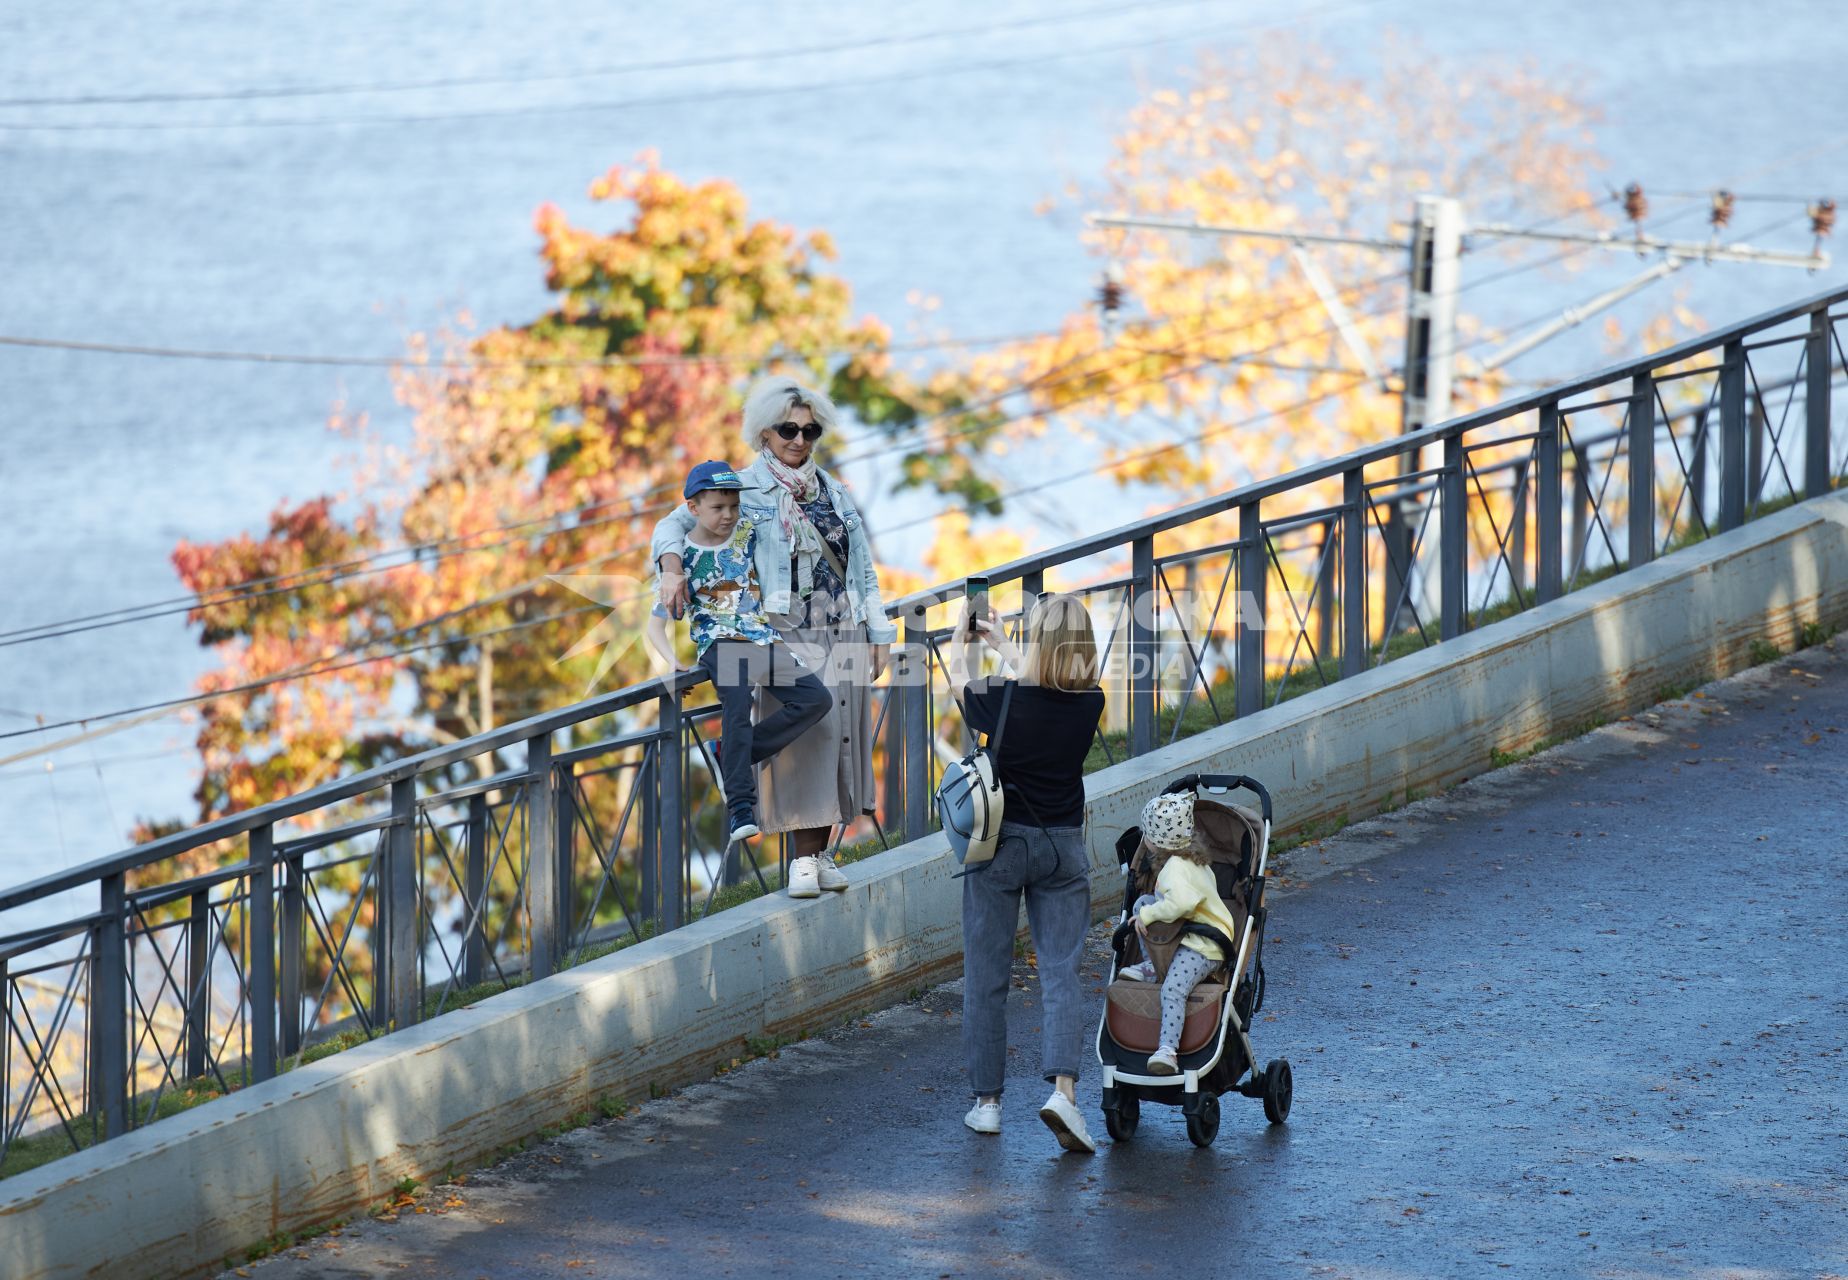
757, 503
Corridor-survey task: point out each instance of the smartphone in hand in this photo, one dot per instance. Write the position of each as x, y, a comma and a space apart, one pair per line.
975, 600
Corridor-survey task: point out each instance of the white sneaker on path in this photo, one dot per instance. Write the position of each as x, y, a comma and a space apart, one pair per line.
1067, 1125
984, 1117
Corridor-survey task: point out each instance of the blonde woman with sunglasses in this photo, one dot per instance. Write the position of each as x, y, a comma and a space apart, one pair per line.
821, 592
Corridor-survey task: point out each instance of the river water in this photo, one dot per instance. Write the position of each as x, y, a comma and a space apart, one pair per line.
924, 160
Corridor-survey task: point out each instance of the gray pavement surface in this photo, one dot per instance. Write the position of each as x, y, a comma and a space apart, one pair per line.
1581, 1016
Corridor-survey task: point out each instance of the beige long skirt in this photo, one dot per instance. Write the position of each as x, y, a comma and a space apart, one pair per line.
825, 777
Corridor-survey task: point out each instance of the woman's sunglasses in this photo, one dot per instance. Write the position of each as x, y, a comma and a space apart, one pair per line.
790, 430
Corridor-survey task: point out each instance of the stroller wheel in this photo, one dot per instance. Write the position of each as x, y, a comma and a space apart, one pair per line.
1121, 1120
1203, 1121
1278, 1088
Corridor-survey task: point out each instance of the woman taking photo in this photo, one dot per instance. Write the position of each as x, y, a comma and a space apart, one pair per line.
821, 592
1040, 856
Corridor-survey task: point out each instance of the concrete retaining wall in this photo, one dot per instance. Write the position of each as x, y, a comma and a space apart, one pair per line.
330, 1138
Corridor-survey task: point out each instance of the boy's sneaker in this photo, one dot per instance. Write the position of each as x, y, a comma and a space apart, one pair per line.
804, 881
1142, 971
743, 823
1067, 1124
1162, 1063
828, 876
984, 1117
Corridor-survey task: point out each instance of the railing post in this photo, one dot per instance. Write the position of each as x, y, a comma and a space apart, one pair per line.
918, 815
893, 722
1142, 646
262, 946
1732, 436
1697, 472
198, 1002
670, 882
1032, 587
1642, 469
108, 1011
294, 907
541, 859
1353, 572
475, 890
1253, 570
1755, 456
1517, 530
1816, 406
564, 845
647, 777
1581, 510
1325, 574
1549, 496
1453, 541
403, 979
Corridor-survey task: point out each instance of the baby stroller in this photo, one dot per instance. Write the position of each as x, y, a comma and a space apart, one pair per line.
1215, 1050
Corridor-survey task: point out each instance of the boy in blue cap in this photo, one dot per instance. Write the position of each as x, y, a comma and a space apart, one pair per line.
737, 647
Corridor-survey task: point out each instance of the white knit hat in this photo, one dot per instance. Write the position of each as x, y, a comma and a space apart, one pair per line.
1167, 822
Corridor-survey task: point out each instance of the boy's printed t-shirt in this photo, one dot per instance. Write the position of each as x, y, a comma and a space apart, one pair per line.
722, 582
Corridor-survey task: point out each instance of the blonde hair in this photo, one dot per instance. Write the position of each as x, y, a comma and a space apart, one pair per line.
1061, 651
770, 401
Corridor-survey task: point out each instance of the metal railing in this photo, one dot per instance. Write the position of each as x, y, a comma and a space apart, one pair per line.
218, 955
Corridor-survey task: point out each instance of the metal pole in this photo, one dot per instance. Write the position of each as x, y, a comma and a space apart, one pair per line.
198, 1002
1353, 572
1755, 457
1549, 551
541, 861
918, 816
1325, 563
648, 778
894, 730
671, 881
262, 946
1430, 350
1142, 647
108, 1012
1252, 572
1732, 436
1517, 531
1453, 542
294, 907
406, 991
1642, 469
1816, 407
475, 892
1581, 510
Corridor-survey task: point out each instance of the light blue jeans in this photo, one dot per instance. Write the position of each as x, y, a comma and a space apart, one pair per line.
1053, 875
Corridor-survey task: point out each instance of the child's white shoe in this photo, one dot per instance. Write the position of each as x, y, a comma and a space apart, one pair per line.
984, 1117
1142, 971
1162, 1062
804, 880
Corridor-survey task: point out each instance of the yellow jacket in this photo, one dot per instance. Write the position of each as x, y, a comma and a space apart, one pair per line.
1188, 892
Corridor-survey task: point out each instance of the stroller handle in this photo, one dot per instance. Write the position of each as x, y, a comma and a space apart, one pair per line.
1222, 782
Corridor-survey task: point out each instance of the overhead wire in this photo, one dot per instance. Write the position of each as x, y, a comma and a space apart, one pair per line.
685, 98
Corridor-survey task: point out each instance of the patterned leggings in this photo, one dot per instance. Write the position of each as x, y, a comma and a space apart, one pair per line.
1184, 974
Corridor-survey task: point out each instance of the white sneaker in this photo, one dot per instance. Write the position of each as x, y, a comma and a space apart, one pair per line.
1162, 1063
984, 1117
828, 875
803, 879
1066, 1124
1143, 972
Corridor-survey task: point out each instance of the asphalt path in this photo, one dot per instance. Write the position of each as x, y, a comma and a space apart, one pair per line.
1583, 1015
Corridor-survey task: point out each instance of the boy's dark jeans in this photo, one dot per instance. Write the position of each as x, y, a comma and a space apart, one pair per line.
737, 667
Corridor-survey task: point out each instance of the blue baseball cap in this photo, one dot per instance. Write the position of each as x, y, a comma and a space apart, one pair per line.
711, 475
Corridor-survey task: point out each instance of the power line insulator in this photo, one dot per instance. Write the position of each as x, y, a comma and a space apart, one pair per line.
1110, 297
1635, 204
1721, 211
1822, 218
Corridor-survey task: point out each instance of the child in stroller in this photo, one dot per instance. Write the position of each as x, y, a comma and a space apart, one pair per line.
1212, 1051
1185, 890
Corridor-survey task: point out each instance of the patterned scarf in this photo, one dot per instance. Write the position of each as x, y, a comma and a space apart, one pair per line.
796, 486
